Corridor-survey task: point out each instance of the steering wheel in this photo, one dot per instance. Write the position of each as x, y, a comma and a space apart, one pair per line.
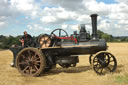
58, 32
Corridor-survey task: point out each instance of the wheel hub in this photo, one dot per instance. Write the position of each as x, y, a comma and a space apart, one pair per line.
103, 63
45, 41
30, 63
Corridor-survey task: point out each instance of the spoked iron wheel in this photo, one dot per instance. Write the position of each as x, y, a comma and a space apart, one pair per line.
30, 62
104, 62
45, 41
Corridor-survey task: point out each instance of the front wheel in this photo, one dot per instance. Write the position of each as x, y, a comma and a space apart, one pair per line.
104, 62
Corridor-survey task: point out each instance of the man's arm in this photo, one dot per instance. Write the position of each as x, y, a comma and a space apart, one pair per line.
22, 41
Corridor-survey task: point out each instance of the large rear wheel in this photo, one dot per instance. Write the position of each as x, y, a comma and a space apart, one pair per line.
30, 62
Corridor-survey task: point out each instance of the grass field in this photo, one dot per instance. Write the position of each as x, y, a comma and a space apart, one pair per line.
81, 75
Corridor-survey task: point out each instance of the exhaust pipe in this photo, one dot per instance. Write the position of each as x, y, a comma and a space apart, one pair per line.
94, 26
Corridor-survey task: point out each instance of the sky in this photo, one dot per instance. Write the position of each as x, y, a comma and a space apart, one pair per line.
42, 16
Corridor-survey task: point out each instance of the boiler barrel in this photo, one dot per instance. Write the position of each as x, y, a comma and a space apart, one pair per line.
90, 47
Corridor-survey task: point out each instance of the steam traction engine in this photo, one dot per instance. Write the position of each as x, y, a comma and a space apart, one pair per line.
59, 48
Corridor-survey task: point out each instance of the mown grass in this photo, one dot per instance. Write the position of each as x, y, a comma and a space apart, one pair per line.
122, 78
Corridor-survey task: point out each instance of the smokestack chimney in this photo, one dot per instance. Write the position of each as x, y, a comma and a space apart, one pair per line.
94, 26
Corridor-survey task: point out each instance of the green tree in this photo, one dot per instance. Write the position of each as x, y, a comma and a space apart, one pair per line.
105, 36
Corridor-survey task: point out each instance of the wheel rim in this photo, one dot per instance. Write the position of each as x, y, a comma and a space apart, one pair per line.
104, 62
29, 62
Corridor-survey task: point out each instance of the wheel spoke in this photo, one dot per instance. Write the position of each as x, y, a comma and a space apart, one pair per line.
107, 59
45, 45
37, 61
111, 65
23, 57
59, 32
25, 68
36, 67
42, 39
96, 68
22, 63
29, 58
42, 43
105, 55
95, 60
46, 38
108, 56
31, 70
96, 65
48, 41
29, 55
111, 61
34, 57
109, 68
101, 70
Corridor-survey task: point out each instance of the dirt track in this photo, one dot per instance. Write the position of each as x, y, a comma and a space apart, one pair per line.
81, 75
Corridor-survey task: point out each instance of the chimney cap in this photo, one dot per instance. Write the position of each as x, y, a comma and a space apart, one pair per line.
94, 15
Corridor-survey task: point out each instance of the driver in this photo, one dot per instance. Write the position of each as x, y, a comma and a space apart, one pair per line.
26, 39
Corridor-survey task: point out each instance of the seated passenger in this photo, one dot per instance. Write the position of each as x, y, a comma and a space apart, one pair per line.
26, 40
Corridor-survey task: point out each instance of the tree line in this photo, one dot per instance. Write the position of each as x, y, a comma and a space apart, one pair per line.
7, 41
110, 38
